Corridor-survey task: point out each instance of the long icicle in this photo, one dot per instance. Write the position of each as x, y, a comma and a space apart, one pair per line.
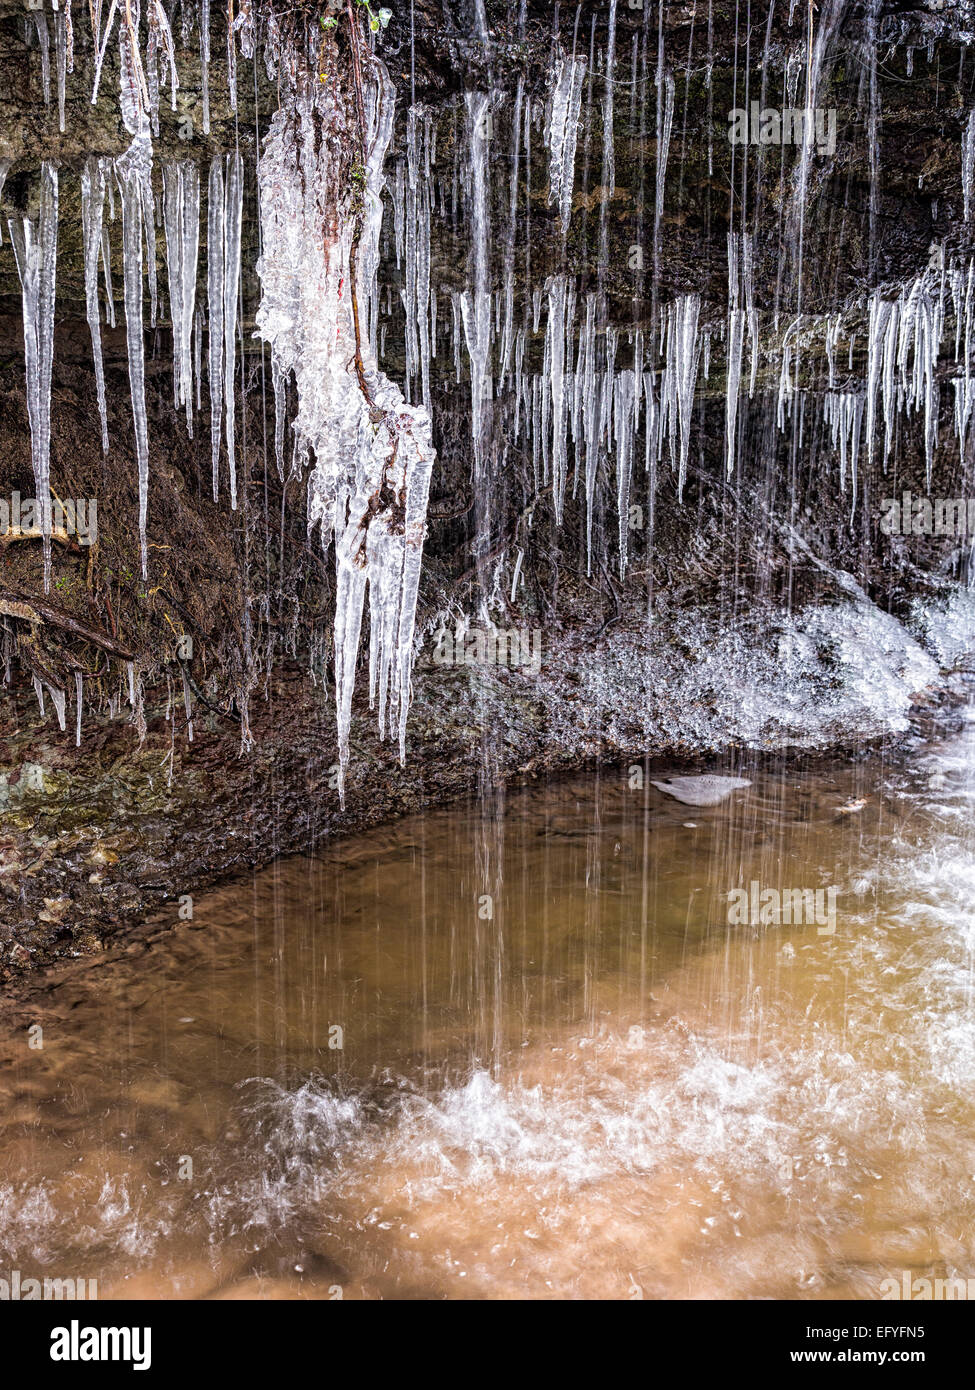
35, 251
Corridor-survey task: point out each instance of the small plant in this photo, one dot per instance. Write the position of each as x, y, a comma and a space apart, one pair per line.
378, 20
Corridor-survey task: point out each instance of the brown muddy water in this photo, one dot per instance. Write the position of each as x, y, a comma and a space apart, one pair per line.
524, 1053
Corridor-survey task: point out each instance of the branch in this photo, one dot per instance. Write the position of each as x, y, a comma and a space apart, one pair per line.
35, 610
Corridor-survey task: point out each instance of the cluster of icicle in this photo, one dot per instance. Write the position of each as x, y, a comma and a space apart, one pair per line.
35, 249
146, 74
373, 453
580, 390
611, 399
602, 408
916, 333
35, 241
581, 401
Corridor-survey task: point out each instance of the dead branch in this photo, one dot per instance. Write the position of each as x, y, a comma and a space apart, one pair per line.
35, 610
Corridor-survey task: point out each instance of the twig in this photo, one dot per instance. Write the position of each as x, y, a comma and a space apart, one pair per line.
35, 610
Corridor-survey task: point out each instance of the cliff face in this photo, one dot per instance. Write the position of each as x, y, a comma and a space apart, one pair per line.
674, 379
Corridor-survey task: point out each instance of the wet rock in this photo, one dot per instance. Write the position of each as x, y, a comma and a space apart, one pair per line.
706, 790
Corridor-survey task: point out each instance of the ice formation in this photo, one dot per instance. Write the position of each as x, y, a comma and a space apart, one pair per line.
133, 172
181, 223
35, 244
968, 163
373, 451
224, 213
590, 403
563, 132
93, 181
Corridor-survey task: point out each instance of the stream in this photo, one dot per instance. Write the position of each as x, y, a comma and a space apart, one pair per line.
521, 1051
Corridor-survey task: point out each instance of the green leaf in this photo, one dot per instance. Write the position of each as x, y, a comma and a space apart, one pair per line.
374, 24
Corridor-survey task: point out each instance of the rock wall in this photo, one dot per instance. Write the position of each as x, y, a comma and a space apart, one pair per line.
764, 609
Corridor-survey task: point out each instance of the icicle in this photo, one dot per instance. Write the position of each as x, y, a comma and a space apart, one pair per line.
786, 390
39, 692
272, 45
107, 260
139, 711
64, 52
736, 348
555, 338
232, 63
476, 303
609, 156
964, 405
742, 316
417, 249
215, 310
133, 91
172, 204
44, 44
4, 171
665, 125
59, 701
103, 49
160, 44
624, 409
586, 380
233, 210
92, 211
187, 702
903, 346
181, 225
280, 413
245, 26
35, 251
509, 254
205, 63
365, 436
79, 692
683, 349
149, 225
190, 261
843, 413
968, 163
515, 576
198, 357
399, 207
133, 173
562, 133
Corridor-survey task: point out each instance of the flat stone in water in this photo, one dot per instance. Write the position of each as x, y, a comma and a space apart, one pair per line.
706, 790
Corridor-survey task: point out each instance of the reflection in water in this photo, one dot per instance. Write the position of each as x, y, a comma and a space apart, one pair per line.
529, 1059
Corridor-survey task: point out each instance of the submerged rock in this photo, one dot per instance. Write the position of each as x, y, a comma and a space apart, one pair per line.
707, 790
